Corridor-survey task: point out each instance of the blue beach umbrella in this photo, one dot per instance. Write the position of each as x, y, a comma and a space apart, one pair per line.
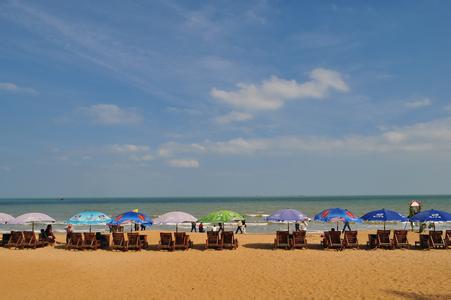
89, 218
384, 215
286, 216
131, 217
336, 215
432, 215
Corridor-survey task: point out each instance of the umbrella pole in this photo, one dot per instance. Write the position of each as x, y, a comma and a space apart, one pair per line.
288, 227
176, 227
384, 225
89, 228
32, 226
337, 225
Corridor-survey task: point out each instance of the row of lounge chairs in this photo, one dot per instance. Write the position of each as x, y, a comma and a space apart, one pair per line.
25, 239
219, 241
180, 241
290, 241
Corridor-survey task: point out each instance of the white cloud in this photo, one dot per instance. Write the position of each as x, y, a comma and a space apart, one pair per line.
111, 114
273, 93
184, 163
128, 148
418, 103
145, 157
11, 87
234, 116
429, 137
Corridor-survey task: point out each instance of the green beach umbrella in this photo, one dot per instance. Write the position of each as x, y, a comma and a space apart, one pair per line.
221, 216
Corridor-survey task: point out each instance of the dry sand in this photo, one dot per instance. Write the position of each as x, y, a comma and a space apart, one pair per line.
253, 271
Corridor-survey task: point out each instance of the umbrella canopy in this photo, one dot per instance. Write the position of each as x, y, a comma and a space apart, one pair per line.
33, 218
5, 218
175, 217
89, 218
337, 215
384, 215
221, 216
286, 215
432, 215
131, 217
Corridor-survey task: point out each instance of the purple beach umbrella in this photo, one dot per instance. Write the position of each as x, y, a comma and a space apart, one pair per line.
33, 218
286, 216
5, 218
175, 217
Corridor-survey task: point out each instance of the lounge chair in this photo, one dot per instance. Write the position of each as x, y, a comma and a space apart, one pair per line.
228, 240
325, 241
400, 239
30, 240
423, 243
75, 241
166, 241
213, 240
90, 241
299, 240
448, 238
134, 242
436, 239
282, 240
182, 241
16, 240
350, 240
119, 242
383, 239
335, 241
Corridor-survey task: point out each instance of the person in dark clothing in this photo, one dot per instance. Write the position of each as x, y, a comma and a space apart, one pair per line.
346, 225
239, 227
297, 226
221, 229
193, 227
143, 227
49, 234
201, 227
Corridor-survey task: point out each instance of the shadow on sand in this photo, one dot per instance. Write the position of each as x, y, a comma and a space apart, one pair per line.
417, 296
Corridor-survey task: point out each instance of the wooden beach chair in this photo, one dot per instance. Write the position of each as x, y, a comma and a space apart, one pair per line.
229, 241
400, 239
350, 239
282, 240
75, 241
166, 241
134, 243
448, 238
335, 241
119, 242
383, 239
182, 241
213, 240
436, 239
16, 240
325, 241
90, 241
299, 240
30, 240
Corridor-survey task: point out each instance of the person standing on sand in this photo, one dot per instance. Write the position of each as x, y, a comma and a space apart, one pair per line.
346, 225
221, 229
244, 226
239, 227
69, 230
201, 227
193, 227
297, 226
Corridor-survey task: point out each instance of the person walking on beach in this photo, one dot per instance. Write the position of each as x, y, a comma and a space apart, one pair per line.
346, 225
143, 227
239, 227
193, 227
221, 229
297, 226
244, 226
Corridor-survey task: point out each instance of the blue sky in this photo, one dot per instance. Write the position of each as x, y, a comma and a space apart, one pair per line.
167, 98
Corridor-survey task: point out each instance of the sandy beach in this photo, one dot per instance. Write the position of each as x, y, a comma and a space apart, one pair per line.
253, 271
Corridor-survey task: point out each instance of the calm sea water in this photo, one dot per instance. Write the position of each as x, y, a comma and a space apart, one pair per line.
254, 208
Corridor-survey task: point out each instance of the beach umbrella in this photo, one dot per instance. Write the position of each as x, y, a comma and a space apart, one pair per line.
33, 218
89, 218
221, 216
384, 215
432, 215
287, 216
5, 218
337, 215
130, 218
175, 217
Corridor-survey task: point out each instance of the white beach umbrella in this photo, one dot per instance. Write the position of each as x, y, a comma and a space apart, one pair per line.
175, 217
33, 218
5, 218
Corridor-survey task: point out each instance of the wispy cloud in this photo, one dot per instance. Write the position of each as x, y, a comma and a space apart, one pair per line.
110, 114
184, 163
273, 93
128, 148
234, 116
12, 87
418, 103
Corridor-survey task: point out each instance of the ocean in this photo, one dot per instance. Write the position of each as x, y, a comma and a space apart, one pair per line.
253, 208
